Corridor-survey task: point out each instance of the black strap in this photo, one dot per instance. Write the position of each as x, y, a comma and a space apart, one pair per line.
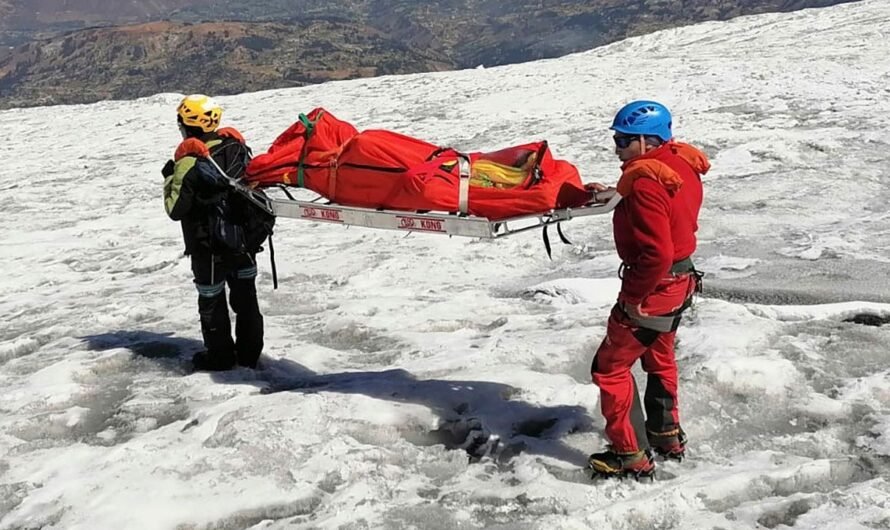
547, 243
272, 261
683, 266
698, 275
286, 192
546, 236
562, 236
659, 323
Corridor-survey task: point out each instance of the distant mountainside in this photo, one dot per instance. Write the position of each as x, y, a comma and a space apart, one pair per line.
227, 57
229, 46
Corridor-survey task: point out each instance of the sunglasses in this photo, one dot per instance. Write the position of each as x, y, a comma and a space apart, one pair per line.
622, 141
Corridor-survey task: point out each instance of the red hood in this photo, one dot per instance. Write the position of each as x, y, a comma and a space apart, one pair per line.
650, 165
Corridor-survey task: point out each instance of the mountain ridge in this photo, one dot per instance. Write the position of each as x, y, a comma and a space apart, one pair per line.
186, 45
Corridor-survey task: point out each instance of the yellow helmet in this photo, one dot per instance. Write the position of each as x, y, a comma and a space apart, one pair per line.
199, 111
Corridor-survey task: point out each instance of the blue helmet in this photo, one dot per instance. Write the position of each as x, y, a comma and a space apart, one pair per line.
648, 118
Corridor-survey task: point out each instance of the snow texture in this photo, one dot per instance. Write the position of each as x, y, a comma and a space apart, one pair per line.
428, 382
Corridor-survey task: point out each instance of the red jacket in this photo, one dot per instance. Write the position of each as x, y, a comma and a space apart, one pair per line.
655, 223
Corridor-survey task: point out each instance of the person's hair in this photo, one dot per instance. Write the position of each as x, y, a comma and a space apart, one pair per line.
191, 132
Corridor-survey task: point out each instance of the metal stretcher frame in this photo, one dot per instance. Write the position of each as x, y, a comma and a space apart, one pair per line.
451, 224
433, 222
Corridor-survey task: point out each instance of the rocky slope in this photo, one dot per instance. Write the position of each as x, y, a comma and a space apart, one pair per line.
219, 58
278, 43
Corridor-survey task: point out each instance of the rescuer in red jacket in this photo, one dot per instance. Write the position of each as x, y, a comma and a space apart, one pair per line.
654, 227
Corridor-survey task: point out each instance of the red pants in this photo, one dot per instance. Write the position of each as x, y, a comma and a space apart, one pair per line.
623, 345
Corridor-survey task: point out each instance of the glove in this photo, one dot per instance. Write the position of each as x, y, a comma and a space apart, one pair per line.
593, 188
168, 169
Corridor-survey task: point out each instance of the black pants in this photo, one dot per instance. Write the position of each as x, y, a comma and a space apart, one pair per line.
212, 274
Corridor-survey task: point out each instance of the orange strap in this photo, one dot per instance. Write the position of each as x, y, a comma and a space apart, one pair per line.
231, 132
191, 147
332, 180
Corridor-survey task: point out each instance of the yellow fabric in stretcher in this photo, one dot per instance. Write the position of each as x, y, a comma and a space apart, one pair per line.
488, 174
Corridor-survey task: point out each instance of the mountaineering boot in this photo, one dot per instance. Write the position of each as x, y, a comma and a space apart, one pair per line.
205, 362
669, 444
247, 361
609, 464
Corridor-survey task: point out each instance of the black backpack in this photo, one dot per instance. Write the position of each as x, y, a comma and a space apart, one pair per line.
256, 224
237, 223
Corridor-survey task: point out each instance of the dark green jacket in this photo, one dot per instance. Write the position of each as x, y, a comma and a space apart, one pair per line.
189, 193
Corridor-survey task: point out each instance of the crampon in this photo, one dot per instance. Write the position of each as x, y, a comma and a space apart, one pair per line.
670, 445
609, 464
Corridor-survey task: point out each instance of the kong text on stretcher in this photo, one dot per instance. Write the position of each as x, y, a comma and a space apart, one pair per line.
435, 223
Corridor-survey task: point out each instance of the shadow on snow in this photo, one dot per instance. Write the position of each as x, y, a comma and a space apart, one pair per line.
481, 417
